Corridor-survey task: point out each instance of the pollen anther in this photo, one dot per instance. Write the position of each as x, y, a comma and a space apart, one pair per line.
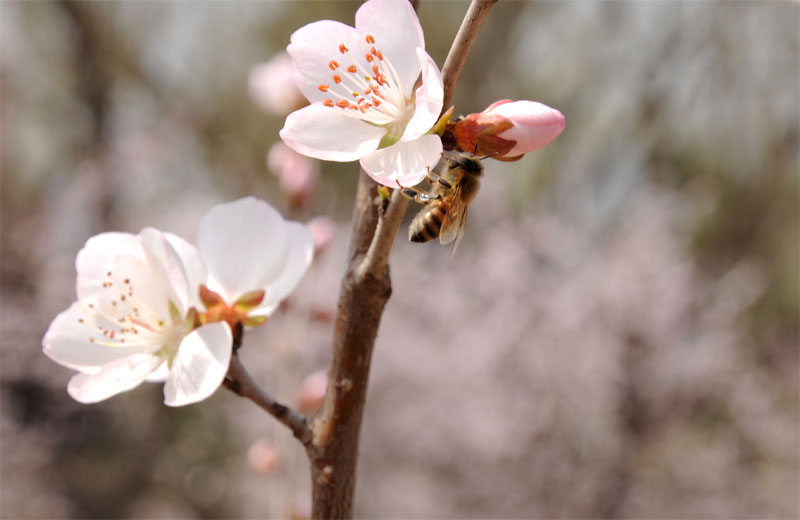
324, 88
337, 79
342, 48
328, 103
333, 65
352, 69
370, 39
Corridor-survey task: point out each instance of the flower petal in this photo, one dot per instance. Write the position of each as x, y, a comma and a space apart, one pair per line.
301, 251
329, 134
200, 365
397, 33
535, 125
406, 162
244, 244
94, 258
193, 266
67, 342
429, 99
312, 48
160, 374
115, 377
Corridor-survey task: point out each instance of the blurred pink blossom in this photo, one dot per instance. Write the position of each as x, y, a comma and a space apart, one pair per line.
323, 230
263, 456
312, 392
297, 173
509, 129
272, 87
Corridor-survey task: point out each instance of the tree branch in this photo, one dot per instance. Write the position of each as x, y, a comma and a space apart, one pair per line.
473, 20
240, 382
365, 289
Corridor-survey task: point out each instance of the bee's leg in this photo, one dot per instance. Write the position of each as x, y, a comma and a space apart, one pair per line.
434, 178
416, 195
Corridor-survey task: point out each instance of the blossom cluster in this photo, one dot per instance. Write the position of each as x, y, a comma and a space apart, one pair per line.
153, 307
376, 96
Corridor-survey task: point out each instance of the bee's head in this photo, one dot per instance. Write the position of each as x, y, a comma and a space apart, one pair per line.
468, 163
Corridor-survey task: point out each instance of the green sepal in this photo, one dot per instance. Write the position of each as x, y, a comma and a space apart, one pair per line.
174, 314
255, 321
249, 300
441, 124
388, 140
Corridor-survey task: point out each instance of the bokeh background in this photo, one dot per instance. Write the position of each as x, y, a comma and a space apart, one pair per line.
617, 335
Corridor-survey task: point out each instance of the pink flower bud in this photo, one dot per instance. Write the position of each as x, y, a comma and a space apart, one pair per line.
323, 230
297, 173
312, 392
271, 86
263, 456
508, 129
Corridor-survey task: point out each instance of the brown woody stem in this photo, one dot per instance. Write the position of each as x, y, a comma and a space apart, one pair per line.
365, 289
239, 381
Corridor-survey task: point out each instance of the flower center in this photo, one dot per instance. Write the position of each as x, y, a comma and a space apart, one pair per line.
118, 318
368, 88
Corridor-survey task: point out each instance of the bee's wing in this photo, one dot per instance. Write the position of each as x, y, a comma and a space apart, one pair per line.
454, 222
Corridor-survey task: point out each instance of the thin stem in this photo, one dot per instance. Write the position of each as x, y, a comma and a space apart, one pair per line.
473, 20
240, 382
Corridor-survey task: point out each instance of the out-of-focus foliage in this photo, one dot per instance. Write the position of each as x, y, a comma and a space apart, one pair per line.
617, 335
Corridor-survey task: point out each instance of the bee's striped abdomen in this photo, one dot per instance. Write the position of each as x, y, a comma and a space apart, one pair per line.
428, 223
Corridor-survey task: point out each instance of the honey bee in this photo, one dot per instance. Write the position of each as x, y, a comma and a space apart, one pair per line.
447, 203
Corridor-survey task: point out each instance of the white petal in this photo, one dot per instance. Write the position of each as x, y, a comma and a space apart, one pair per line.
67, 342
329, 134
193, 266
406, 162
94, 258
301, 251
397, 33
245, 245
429, 98
159, 375
200, 365
167, 268
312, 48
115, 377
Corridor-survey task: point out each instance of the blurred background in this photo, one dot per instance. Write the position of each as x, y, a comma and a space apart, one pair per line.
617, 335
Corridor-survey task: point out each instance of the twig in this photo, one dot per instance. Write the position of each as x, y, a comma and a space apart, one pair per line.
473, 20
240, 382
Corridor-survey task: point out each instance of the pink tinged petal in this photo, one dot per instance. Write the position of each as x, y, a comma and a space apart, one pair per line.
313, 47
194, 268
115, 377
535, 125
404, 161
68, 342
301, 251
94, 258
199, 365
397, 33
429, 98
329, 134
271, 86
244, 244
